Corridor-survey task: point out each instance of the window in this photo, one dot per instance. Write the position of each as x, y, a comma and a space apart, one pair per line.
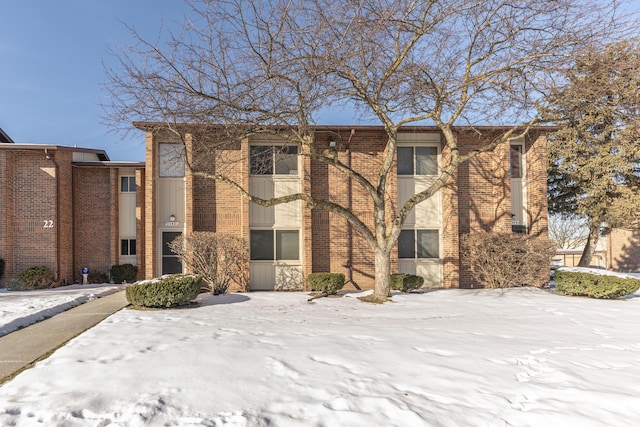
419, 244
515, 161
128, 184
269, 245
127, 246
265, 160
171, 160
417, 160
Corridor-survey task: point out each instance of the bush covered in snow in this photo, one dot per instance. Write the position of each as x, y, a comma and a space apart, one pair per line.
38, 277
406, 282
328, 283
166, 291
505, 260
594, 285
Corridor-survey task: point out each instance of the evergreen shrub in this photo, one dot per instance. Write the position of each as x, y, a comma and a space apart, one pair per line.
97, 277
124, 273
167, 291
38, 277
594, 285
1, 268
406, 282
328, 283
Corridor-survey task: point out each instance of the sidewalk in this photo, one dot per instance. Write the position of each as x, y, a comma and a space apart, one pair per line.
25, 346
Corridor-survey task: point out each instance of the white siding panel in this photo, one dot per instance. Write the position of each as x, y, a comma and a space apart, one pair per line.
260, 215
127, 214
171, 199
262, 276
431, 271
517, 201
287, 214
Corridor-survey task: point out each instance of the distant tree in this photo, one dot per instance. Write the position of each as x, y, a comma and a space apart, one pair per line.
250, 65
594, 159
567, 231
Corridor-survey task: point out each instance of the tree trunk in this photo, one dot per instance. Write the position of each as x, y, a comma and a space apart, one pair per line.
382, 289
590, 246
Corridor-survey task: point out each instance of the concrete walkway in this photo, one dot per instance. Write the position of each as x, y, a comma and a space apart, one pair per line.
25, 346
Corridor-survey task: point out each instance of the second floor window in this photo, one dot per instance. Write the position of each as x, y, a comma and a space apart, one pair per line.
171, 160
273, 160
417, 160
128, 184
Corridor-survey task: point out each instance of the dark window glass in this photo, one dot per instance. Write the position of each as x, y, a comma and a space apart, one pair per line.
171, 265
405, 160
168, 237
428, 244
426, 161
516, 161
132, 247
124, 247
287, 161
171, 160
261, 245
406, 244
287, 245
261, 160
128, 184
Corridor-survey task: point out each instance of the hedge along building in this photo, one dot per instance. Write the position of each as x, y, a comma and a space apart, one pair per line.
503, 190
67, 208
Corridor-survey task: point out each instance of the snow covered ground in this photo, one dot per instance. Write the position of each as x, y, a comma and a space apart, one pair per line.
517, 357
22, 308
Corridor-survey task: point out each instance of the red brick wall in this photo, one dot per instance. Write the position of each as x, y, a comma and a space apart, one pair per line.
34, 201
477, 197
94, 229
624, 250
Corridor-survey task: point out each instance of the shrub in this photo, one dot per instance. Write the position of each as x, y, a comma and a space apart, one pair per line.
328, 283
218, 258
1, 268
167, 291
504, 260
594, 285
97, 277
406, 282
123, 273
38, 277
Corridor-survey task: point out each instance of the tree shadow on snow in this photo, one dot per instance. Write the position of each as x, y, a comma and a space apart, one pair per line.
205, 300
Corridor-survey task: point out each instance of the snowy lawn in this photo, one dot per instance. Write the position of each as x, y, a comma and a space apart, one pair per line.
521, 357
22, 308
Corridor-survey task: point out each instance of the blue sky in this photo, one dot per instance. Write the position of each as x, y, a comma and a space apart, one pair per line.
51, 72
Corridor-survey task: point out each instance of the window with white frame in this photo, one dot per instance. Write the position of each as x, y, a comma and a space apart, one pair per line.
419, 243
274, 245
127, 247
171, 160
273, 160
515, 162
128, 184
417, 160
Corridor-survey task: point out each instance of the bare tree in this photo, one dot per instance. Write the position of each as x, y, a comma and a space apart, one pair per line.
273, 66
219, 258
568, 231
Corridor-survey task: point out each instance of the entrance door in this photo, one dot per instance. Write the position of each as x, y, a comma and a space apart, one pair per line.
170, 262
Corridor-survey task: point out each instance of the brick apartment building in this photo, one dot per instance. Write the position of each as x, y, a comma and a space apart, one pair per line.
70, 208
